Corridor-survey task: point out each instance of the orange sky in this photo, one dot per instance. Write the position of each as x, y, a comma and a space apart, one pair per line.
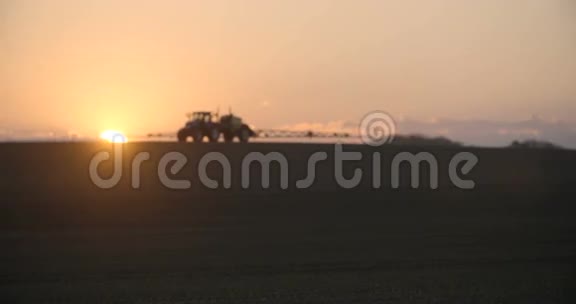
139, 66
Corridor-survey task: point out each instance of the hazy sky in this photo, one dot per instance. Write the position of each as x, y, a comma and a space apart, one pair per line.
139, 66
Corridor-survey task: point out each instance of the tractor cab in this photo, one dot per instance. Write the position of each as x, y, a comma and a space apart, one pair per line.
201, 119
201, 116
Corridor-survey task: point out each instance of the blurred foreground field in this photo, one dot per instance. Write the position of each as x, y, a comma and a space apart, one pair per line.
512, 239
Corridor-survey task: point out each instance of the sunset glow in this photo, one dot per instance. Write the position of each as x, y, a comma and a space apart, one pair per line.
142, 65
113, 136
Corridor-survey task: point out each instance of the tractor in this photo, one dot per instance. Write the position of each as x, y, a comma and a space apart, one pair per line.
207, 124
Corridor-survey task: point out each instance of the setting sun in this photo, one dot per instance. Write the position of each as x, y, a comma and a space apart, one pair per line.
113, 136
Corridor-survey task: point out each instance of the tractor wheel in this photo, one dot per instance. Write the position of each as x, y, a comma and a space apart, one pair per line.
214, 135
228, 137
182, 137
244, 135
197, 136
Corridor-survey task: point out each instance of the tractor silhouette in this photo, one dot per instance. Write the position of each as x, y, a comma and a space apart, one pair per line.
202, 125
